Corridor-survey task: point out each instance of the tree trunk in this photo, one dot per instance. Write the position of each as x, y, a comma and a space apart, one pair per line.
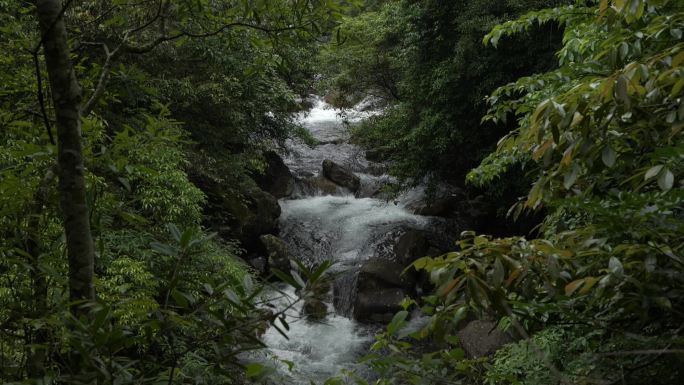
34, 248
66, 97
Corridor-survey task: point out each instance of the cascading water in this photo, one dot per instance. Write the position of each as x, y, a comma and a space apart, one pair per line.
338, 227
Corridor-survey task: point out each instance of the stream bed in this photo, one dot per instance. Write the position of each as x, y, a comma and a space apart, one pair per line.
340, 227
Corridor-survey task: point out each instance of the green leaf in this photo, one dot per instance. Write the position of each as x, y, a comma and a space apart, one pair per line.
650, 263
571, 177
460, 314
497, 273
456, 354
615, 267
666, 179
421, 263
179, 298
297, 278
232, 297
624, 50
125, 183
453, 340
663, 302
397, 322
247, 283
254, 370
608, 156
653, 171
621, 89
175, 232
164, 249
286, 278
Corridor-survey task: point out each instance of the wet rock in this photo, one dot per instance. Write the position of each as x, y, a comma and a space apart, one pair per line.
373, 186
482, 338
377, 169
411, 245
319, 185
276, 249
261, 217
369, 188
306, 174
260, 264
378, 305
379, 273
438, 207
277, 178
243, 216
341, 175
333, 141
381, 285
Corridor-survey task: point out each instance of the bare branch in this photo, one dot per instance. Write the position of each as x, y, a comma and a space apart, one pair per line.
102, 81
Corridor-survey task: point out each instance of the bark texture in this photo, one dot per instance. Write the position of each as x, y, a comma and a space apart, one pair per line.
66, 97
37, 353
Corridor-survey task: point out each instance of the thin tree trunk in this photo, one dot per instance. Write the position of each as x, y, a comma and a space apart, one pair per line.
34, 249
66, 97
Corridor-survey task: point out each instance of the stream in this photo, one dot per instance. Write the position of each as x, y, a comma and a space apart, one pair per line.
341, 227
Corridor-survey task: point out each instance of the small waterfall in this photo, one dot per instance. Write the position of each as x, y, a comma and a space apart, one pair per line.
322, 222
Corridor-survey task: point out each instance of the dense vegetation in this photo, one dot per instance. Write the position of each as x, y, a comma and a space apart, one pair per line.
130, 131
146, 104
597, 297
426, 60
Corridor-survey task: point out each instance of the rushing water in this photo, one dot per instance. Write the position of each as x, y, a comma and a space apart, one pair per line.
341, 228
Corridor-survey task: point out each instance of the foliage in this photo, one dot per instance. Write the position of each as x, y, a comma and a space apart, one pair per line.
171, 82
597, 298
425, 61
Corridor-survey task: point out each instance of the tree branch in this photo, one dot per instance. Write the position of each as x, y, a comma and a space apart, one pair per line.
184, 33
41, 97
102, 81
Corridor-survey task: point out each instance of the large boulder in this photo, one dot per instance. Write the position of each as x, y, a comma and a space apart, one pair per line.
378, 305
377, 273
411, 245
380, 287
341, 175
276, 178
482, 338
377, 169
276, 250
318, 185
235, 210
261, 217
243, 215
